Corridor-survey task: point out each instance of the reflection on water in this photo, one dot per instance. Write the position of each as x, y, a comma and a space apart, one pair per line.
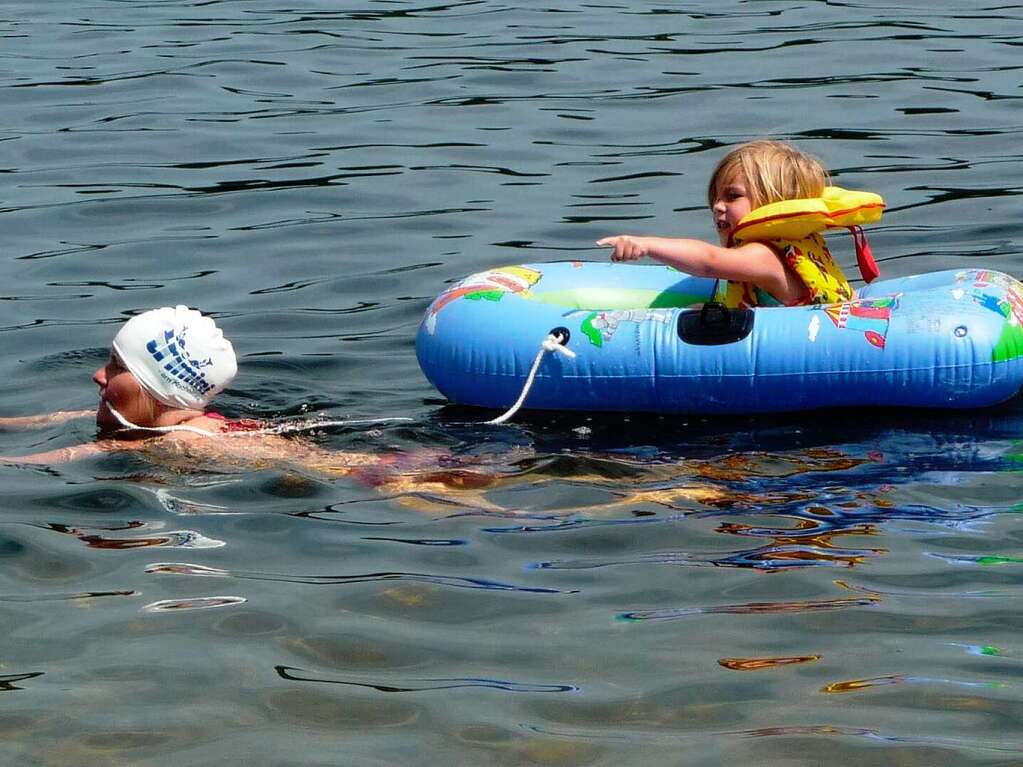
751, 608
189, 539
759, 664
856, 685
196, 603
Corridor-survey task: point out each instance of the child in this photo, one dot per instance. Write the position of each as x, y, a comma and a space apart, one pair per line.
786, 270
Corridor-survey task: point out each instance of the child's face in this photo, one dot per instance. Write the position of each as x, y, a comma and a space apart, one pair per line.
731, 203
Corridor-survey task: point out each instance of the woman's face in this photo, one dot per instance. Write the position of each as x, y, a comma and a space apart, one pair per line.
119, 389
731, 203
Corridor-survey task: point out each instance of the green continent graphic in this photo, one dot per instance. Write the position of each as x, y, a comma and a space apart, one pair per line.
489, 295
1010, 343
591, 332
991, 560
609, 299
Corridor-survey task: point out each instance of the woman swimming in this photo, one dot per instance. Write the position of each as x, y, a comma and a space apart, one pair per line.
165, 366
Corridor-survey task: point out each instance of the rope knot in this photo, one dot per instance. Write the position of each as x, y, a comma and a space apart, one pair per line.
552, 343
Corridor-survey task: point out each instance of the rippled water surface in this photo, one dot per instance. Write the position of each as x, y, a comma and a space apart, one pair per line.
834, 588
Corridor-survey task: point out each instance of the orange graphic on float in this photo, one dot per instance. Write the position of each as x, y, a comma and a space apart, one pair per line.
1009, 306
869, 316
488, 286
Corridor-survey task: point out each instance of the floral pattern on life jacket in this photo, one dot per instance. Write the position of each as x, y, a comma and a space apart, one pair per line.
812, 262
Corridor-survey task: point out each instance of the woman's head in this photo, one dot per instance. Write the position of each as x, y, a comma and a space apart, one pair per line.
176, 357
771, 171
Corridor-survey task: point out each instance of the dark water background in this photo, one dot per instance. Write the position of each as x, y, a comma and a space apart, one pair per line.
836, 589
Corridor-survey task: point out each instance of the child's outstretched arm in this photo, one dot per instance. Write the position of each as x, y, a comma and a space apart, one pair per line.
753, 262
44, 419
696, 257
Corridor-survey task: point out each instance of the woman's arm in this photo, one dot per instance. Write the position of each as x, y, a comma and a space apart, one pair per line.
44, 419
61, 455
73, 453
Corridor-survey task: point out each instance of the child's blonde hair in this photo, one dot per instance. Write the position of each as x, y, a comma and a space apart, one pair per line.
773, 171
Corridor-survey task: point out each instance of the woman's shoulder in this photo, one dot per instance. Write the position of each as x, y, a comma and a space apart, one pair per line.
199, 427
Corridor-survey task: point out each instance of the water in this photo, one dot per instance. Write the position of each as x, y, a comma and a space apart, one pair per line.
779, 591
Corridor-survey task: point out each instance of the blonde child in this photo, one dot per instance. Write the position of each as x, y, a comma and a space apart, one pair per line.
763, 272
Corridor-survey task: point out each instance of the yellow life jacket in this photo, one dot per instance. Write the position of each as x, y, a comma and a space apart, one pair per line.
811, 260
793, 227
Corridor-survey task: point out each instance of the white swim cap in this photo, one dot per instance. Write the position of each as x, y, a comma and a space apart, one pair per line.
178, 355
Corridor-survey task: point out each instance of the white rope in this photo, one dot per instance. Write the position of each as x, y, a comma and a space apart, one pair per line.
180, 427
550, 344
311, 424
284, 428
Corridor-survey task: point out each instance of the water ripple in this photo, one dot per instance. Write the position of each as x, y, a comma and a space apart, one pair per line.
421, 685
65, 597
339, 580
749, 608
874, 736
9, 682
313, 175
192, 603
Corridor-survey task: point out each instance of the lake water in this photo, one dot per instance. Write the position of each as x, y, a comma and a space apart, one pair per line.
832, 588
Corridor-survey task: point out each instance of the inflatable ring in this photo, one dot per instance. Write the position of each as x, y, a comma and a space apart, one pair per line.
951, 339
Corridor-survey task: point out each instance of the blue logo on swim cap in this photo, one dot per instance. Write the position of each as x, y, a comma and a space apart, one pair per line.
178, 367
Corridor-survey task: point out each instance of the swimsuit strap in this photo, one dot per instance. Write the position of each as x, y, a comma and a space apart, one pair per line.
235, 424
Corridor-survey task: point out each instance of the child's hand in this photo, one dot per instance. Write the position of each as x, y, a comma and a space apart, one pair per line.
626, 247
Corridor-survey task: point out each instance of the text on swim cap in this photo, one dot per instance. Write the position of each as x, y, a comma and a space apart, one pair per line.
179, 369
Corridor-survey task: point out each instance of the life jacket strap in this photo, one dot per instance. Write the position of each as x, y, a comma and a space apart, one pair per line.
864, 256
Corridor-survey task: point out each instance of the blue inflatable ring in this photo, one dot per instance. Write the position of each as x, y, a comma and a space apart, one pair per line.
951, 339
